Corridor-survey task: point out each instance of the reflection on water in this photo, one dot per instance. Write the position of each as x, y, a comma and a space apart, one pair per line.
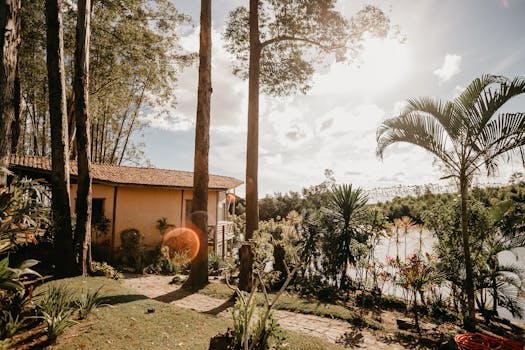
388, 247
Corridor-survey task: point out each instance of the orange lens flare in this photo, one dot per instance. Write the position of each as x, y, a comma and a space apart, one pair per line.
182, 240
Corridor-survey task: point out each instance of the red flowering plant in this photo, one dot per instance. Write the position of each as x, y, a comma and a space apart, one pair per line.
414, 276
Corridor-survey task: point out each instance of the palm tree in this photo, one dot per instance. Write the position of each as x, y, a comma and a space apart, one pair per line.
406, 223
345, 203
466, 134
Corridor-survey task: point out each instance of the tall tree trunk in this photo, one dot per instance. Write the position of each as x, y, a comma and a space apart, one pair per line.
65, 263
252, 146
469, 319
81, 87
16, 125
199, 217
9, 41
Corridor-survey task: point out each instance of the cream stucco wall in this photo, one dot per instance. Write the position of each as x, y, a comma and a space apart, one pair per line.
141, 207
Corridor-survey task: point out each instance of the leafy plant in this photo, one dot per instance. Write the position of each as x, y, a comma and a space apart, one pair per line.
56, 308
255, 327
57, 322
132, 249
9, 324
88, 301
215, 264
56, 298
106, 270
163, 264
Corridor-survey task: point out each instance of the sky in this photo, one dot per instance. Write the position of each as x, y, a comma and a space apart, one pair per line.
448, 43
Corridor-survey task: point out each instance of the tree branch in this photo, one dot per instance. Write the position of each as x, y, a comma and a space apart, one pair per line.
280, 38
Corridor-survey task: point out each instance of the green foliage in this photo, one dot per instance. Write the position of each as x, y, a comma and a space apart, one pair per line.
88, 301
57, 322
132, 249
10, 277
163, 226
106, 270
163, 264
56, 309
296, 35
22, 211
10, 324
135, 60
347, 238
215, 264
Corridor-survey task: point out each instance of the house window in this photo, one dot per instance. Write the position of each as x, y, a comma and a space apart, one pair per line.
221, 208
97, 210
188, 210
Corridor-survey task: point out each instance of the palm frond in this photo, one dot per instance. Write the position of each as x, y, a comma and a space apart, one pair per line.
344, 201
469, 102
443, 111
418, 129
503, 134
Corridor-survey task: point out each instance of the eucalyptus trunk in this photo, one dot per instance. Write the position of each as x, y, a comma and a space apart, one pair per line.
470, 319
252, 146
81, 92
199, 217
64, 254
16, 125
9, 42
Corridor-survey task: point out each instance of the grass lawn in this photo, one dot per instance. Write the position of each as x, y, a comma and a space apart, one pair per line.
295, 304
126, 324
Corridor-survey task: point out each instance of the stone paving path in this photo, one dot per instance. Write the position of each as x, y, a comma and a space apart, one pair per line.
158, 287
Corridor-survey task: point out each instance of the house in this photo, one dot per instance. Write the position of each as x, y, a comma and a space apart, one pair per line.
133, 197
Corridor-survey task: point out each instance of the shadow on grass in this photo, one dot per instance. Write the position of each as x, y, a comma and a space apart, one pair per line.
122, 298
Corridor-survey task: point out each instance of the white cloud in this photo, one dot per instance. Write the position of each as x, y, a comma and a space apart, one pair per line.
449, 68
229, 97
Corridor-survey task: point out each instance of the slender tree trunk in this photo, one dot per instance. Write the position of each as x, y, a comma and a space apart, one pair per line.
469, 319
199, 217
252, 146
81, 87
65, 263
16, 125
9, 41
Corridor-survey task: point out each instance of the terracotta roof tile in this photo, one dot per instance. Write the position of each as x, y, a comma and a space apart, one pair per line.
126, 175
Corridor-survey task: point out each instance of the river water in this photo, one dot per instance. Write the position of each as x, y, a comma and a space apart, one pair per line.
387, 248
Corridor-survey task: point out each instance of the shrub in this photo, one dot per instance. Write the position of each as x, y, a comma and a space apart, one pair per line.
132, 249
215, 264
162, 264
106, 270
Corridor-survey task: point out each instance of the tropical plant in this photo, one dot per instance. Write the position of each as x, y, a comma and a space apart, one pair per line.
9, 324
503, 281
56, 309
88, 301
345, 204
414, 275
466, 135
57, 322
406, 223
106, 270
215, 264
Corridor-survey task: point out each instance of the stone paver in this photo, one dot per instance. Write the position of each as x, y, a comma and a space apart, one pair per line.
330, 329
